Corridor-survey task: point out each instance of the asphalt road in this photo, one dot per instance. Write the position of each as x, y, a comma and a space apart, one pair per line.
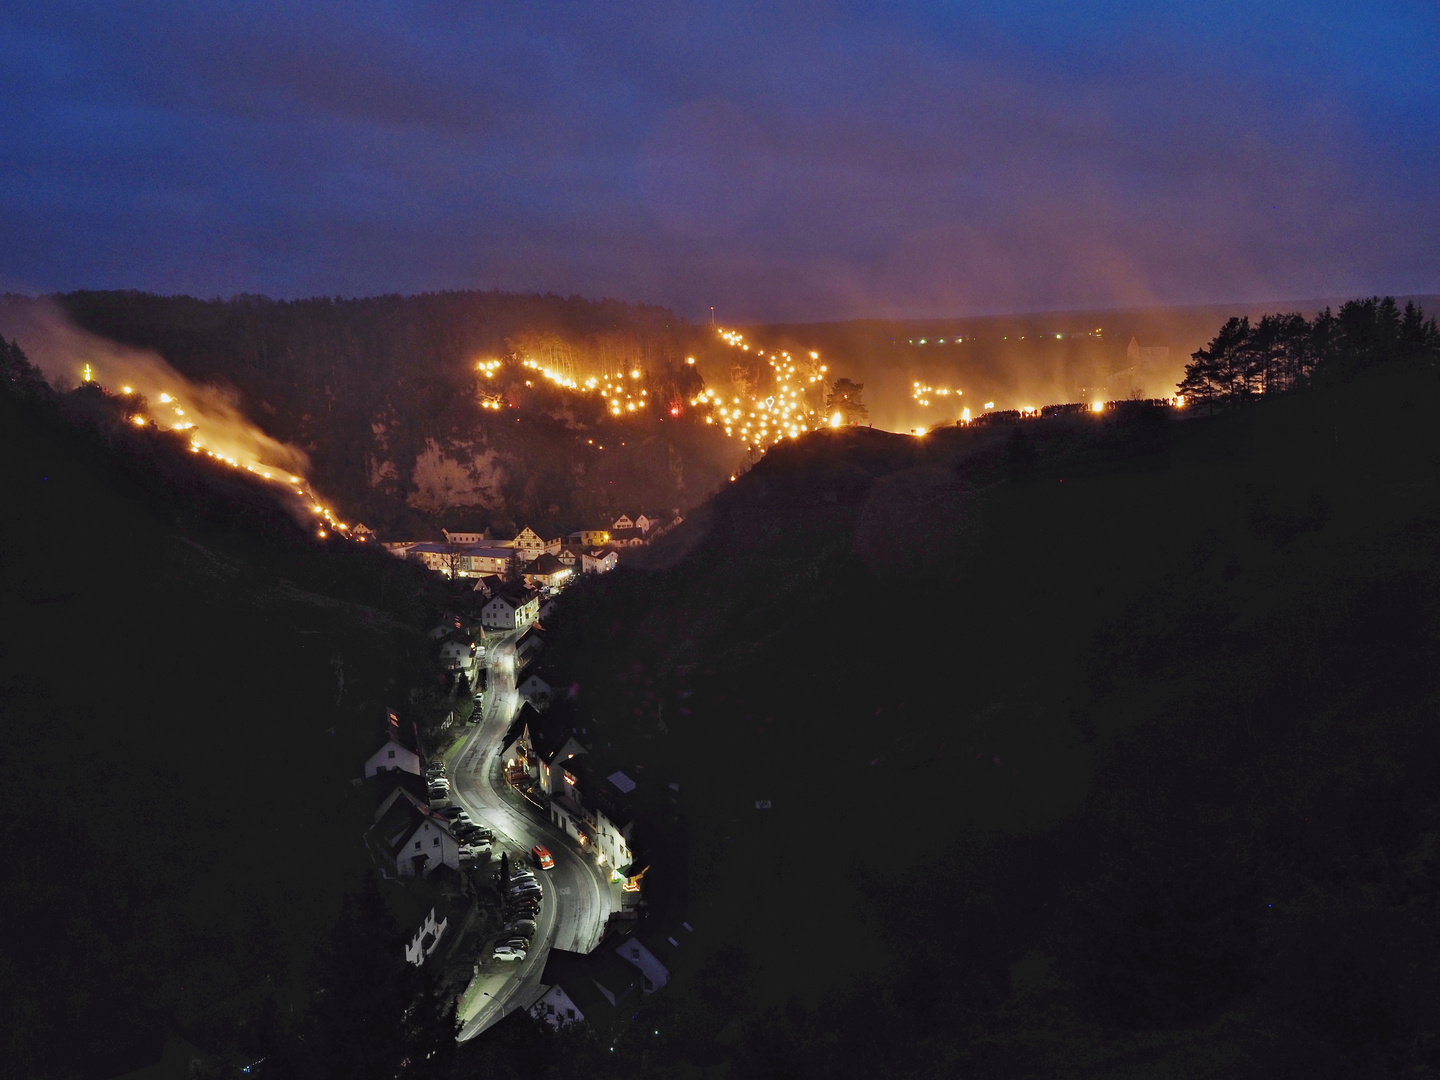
578, 896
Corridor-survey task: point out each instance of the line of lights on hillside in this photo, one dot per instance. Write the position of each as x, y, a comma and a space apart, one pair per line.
326, 520
622, 391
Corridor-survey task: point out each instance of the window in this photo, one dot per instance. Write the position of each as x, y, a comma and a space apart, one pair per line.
570, 1013
417, 845
435, 842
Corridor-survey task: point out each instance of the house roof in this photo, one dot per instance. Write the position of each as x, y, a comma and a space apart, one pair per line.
485, 551
535, 677
545, 564
550, 731
383, 787
489, 584
401, 733
398, 824
581, 977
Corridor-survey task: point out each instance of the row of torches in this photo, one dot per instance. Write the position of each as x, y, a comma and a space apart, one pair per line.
326, 522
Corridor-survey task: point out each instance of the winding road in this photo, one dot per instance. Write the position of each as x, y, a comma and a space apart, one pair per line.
578, 895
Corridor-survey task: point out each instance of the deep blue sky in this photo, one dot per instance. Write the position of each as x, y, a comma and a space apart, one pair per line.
780, 161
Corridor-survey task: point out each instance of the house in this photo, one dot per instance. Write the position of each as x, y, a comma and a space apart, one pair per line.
599, 989
363, 533
453, 622
527, 649
646, 522
553, 547
466, 539
487, 585
598, 562
534, 690
400, 750
653, 973
592, 807
426, 939
530, 543
410, 841
546, 570
623, 538
460, 654
386, 787
512, 609
479, 559
588, 538
654, 953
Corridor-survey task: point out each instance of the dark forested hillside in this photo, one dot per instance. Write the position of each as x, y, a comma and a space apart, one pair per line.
189, 682
1086, 747
384, 395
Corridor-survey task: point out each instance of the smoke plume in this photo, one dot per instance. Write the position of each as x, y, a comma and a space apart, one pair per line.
209, 416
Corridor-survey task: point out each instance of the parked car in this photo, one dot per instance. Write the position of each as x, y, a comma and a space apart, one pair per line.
520, 926
523, 909
506, 953
517, 943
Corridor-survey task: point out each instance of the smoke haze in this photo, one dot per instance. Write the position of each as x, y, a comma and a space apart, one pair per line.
62, 351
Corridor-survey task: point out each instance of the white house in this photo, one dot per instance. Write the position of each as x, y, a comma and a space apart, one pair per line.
426, 939
460, 655
511, 610
598, 562
646, 522
535, 690
400, 751
409, 840
622, 522
653, 973
589, 988
465, 538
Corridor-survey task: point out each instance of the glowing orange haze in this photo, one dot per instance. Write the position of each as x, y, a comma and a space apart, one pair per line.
210, 418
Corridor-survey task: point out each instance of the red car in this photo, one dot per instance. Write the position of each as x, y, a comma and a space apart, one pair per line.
542, 858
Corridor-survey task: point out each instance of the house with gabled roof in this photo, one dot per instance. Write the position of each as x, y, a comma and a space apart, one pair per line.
654, 952
598, 562
535, 690
488, 585
598, 989
530, 542
624, 521
546, 570
511, 609
400, 750
409, 840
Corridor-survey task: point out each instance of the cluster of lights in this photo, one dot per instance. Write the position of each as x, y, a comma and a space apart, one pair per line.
784, 411
923, 394
621, 390
326, 520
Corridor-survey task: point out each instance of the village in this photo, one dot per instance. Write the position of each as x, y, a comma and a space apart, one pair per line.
507, 845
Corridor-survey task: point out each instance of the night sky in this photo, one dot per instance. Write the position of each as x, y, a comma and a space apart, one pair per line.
779, 161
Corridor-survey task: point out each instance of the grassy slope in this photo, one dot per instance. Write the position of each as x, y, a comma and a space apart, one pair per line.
177, 754
1114, 749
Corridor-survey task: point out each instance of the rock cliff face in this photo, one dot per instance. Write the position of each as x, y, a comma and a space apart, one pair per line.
419, 411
